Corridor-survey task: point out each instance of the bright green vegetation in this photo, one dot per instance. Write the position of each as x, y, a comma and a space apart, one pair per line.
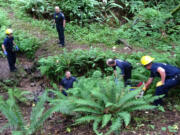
101, 101
27, 43
151, 27
85, 62
15, 118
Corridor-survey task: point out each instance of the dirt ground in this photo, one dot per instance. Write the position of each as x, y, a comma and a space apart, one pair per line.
142, 123
4, 69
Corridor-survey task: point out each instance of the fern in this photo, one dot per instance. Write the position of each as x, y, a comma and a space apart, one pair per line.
127, 97
103, 102
87, 109
116, 124
16, 121
106, 119
37, 113
95, 125
126, 117
89, 103
85, 119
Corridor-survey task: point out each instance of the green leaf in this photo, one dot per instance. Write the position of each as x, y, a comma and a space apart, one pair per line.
125, 116
116, 125
87, 110
105, 120
89, 103
87, 118
95, 126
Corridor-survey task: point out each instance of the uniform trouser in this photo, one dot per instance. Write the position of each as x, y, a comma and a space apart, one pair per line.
169, 83
64, 93
11, 56
127, 76
60, 30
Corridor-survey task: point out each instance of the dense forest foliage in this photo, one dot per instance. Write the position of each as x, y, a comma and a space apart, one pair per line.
133, 28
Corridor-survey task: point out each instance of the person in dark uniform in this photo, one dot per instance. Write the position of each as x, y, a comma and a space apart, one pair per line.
125, 67
9, 49
60, 21
67, 82
170, 76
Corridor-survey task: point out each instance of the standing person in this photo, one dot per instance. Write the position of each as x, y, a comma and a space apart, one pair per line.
60, 21
9, 49
170, 76
67, 82
125, 67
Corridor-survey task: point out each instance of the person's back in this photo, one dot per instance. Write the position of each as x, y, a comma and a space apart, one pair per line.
8, 42
170, 70
123, 64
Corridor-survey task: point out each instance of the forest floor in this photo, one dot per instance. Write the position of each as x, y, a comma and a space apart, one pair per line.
29, 78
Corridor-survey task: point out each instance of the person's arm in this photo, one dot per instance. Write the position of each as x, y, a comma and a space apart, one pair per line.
148, 83
64, 23
3, 48
115, 73
162, 73
14, 43
61, 88
61, 85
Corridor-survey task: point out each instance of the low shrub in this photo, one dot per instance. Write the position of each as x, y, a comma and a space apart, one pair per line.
16, 122
27, 43
108, 105
79, 62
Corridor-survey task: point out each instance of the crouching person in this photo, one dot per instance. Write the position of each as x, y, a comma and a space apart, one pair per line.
170, 76
125, 67
67, 82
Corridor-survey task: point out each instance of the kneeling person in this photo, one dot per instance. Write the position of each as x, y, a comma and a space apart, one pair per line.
67, 82
125, 67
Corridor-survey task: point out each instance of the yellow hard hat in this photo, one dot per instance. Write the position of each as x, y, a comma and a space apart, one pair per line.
9, 31
145, 60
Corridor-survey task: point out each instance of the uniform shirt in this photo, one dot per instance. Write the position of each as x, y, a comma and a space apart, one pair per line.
8, 43
123, 65
68, 83
170, 70
59, 18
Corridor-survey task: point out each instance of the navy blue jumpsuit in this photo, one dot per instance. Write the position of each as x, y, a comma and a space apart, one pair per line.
59, 19
126, 69
67, 83
11, 55
172, 78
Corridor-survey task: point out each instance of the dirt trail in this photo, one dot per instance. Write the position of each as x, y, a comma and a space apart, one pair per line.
4, 69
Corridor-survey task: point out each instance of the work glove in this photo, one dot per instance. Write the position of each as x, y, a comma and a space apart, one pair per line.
144, 88
158, 84
5, 53
17, 48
